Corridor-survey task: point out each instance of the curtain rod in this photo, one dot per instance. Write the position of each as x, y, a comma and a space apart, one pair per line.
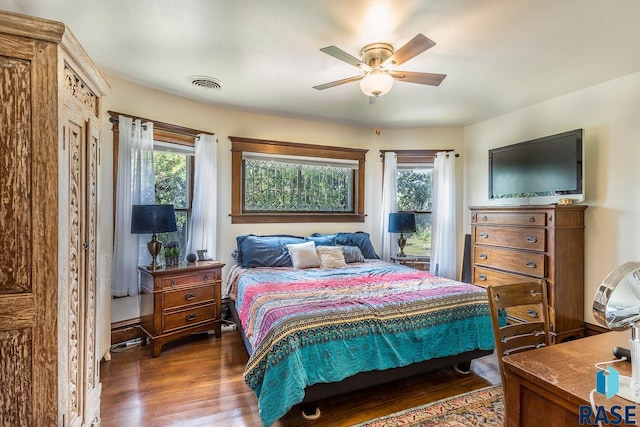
159, 125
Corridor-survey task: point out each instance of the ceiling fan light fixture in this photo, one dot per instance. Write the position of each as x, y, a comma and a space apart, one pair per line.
376, 83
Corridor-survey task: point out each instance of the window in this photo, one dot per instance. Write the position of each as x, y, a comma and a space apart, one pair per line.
276, 181
414, 195
173, 171
174, 161
414, 192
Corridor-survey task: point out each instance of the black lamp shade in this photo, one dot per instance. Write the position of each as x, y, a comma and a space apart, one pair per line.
402, 223
149, 219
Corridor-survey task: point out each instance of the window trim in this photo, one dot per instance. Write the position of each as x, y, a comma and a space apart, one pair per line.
250, 145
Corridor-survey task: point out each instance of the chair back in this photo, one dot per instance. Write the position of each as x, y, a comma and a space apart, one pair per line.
525, 333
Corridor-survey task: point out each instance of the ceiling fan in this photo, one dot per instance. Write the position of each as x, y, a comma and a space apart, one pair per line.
377, 63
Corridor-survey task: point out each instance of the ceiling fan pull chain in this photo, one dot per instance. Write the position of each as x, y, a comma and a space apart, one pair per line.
377, 116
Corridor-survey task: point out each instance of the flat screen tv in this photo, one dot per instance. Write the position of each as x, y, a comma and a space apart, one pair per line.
540, 171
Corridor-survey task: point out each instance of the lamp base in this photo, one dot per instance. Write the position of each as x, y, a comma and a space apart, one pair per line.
154, 246
401, 243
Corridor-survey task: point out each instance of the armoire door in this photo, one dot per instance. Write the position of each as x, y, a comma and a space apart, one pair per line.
78, 196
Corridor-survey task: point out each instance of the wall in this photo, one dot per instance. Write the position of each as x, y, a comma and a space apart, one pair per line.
137, 100
608, 113
10, 6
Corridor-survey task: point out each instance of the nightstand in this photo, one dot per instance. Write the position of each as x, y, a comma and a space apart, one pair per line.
181, 300
411, 261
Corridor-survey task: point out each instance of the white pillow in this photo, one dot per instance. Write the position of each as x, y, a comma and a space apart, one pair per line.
331, 256
303, 255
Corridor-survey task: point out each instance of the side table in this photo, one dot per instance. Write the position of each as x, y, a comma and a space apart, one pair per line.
181, 300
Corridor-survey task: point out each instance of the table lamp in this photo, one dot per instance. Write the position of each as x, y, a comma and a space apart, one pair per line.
616, 305
402, 223
152, 219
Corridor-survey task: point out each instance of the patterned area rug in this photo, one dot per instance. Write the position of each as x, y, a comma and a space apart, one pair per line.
483, 407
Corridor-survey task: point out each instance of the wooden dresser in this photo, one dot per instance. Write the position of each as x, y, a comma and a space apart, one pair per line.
178, 301
518, 243
52, 307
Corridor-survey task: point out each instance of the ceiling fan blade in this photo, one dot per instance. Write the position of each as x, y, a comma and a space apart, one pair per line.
412, 48
421, 78
339, 82
340, 54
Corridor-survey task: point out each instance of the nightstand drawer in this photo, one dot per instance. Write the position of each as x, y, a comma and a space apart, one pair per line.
512, 237
191, 278
183, 297
187, 318
520, 262
510, 218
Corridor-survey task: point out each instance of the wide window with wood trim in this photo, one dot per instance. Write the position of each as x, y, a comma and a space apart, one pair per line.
415, 195
275, 181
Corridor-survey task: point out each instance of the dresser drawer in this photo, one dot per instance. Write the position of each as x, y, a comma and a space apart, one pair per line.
488, 277
512, 237
524, 313
187, 318
191, 278
183, 297
510, 218
529, 263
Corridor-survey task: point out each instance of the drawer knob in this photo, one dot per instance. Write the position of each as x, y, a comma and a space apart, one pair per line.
482, 277
189, 296
532, 313
173, 283
484, 218
483, 256
484, 235
532, 239
206, 277
531, 264
532, 219
190, 317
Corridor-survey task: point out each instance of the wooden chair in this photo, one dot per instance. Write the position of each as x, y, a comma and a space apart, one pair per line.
530, 333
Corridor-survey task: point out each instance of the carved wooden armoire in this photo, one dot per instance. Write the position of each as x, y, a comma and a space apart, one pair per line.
50, 108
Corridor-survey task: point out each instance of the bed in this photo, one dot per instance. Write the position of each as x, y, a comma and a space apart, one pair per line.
324, 330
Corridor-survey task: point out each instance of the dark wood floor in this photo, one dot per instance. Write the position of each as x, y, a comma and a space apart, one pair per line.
197, 381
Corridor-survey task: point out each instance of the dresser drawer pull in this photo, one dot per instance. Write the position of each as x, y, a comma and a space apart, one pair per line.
189, 296
532, 219
173, 283
482, 277
206, 277
531, 264
532, 313
483, 256
484, 218
190, 317
532, 239
484, 235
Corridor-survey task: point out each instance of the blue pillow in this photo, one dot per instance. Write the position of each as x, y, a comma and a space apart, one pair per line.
359, 239
265, 251
324, 240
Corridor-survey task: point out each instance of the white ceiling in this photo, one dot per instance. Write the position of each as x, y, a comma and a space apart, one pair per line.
499, 55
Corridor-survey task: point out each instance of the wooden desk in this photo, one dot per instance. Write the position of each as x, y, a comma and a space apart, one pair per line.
547, 386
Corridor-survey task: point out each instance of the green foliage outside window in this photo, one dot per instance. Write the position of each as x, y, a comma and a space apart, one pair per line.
414, 189
173, 186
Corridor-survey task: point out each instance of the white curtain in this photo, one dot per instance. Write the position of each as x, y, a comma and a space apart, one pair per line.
389, 203
136, 185
202, 234
443, 216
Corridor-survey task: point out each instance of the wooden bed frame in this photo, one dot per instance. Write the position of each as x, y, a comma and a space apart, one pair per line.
362, 380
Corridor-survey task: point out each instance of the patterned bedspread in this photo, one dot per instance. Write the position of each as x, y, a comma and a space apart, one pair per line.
323, 325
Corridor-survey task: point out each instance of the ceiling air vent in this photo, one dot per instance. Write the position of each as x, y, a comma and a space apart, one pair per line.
205, 82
